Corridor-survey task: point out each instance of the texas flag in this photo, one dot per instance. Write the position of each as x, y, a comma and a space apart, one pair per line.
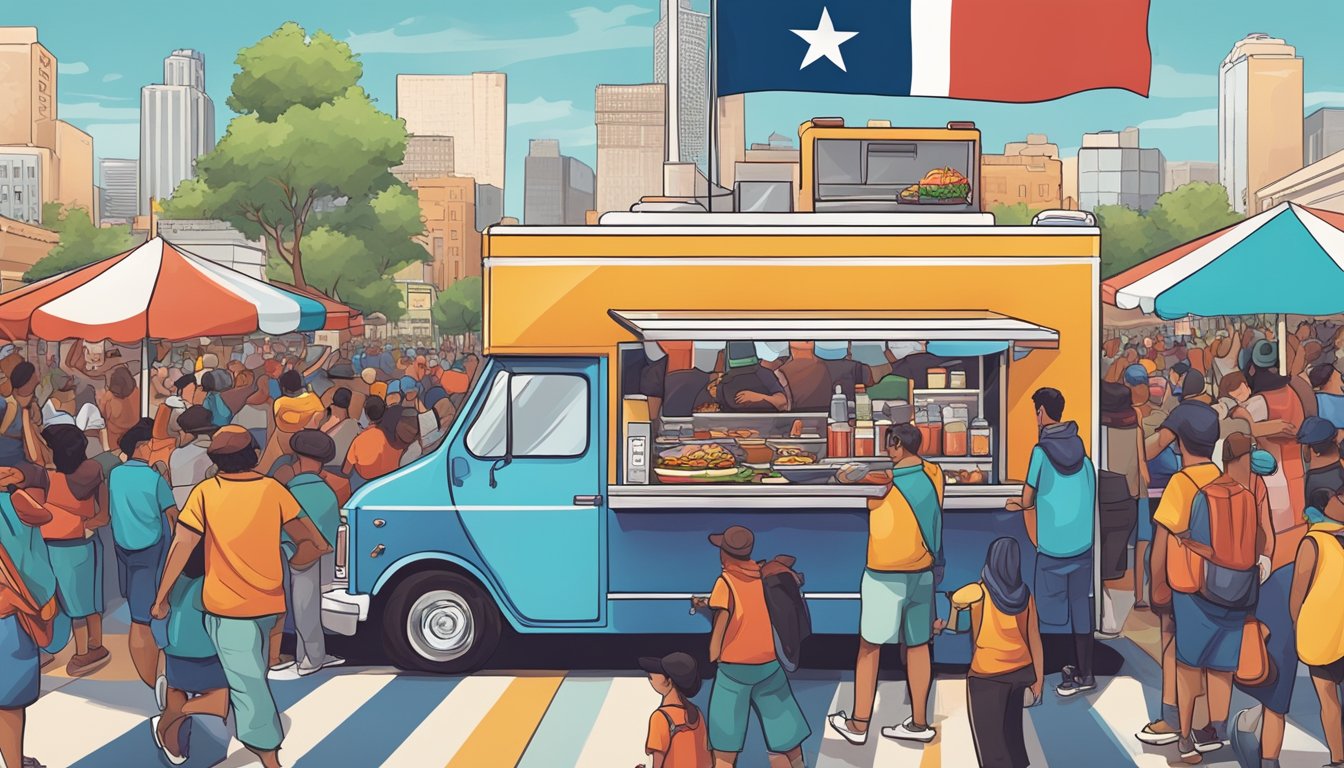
990, 50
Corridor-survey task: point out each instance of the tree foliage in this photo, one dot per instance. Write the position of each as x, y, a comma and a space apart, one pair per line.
306, 134
458, 309
1184, 214
1018, 214
81, 242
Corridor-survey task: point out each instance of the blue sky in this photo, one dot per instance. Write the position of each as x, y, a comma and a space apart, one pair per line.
555, 52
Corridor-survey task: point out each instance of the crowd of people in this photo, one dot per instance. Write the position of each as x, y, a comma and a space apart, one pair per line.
220, 510
1228, 442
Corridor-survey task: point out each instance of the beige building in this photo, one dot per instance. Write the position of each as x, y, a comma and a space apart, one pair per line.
21, 246
427, 157
1189, 172
1259, 117
28, 82
631, 135
1037, 144
1036, 181
1319, 185
74, 152
448, 207
469, 108
731, 125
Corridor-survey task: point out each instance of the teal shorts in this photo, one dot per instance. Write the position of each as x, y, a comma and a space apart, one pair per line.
79, 576
741, 688
242, 645
896, 608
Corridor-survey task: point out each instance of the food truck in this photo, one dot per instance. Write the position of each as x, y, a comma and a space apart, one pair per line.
660, 376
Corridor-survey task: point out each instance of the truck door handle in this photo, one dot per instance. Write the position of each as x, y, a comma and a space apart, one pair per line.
377, 551
587, 501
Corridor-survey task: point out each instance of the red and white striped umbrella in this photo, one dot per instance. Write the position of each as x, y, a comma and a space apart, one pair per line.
155, 291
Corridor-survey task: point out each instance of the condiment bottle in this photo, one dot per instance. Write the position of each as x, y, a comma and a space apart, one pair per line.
937, 378
954, 431
863, 405
956, 380
935, 444
838, 431
981, 438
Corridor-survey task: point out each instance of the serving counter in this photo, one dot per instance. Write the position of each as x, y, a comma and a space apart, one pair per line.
956, 498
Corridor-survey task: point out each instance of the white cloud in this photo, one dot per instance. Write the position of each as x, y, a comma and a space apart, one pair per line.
92, 110
111, 78
593, 29
98, 96
72, 68
406, 22
1199, 118
1169, 83
1323, 99
540, 110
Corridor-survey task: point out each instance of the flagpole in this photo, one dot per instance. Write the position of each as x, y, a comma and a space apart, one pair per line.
714, 148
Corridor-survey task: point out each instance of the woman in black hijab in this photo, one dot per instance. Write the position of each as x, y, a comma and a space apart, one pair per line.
1006, 661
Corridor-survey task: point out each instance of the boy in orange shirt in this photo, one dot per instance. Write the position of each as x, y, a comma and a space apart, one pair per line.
677, 733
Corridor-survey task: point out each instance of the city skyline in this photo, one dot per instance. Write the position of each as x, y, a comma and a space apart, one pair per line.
555, 56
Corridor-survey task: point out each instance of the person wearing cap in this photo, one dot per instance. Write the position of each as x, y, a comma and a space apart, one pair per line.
677, 735
189, 464
749, 677
27, 603
1208, 636
896, 590
1061, 490
1275, 413
747, 386
295, 409
239, 515
1195, 431
19, 416
77, 500
338, 425
313, 451
1329, 386
141, 507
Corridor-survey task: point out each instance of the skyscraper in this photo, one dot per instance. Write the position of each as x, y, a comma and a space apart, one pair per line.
1259, 117
469, 108
1322, 134
631, 134
558, 189
684, 69
427, 157
28, 82
1114, 170
177, 125
120, 180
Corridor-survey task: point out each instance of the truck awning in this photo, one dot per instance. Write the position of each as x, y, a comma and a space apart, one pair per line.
842, 325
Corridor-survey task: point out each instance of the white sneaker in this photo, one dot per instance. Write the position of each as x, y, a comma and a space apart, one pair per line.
905, 732
330, 661
154, 729
839, 722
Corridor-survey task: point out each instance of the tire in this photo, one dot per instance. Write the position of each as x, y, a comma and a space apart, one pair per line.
440, 622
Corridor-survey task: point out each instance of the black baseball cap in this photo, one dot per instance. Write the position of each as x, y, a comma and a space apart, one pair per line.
1196, 424
678, 667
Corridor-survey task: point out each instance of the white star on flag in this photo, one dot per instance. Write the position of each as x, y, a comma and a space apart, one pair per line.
824, 41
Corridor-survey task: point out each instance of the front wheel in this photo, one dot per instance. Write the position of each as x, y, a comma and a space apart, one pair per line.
440, 622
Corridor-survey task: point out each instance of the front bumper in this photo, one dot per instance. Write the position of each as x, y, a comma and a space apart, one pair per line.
342, 612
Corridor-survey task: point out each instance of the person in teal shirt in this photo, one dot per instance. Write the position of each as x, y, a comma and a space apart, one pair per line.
313, 450
20, 668
1062, 487
196, 681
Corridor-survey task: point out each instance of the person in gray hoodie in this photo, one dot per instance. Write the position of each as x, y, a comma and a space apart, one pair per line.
1061, 491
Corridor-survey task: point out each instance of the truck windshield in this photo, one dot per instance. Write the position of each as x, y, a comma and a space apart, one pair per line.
549, 417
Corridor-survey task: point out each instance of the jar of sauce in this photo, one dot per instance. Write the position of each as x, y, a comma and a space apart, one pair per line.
865, 440
838, 434
934, 445
937, 378
981, 438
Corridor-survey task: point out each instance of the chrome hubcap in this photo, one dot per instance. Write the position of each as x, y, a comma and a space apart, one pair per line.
441, 626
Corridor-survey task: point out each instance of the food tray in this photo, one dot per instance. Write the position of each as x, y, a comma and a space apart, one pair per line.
679, 476
807, 474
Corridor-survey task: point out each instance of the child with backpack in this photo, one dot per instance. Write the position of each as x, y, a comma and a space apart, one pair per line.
1007, 659
1318, 584
750, 677
678, 736
1219, 554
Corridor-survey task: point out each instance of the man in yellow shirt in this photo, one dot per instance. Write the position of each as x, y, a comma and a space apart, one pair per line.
905, 533
239, 514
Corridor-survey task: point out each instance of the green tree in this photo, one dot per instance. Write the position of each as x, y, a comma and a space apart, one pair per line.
1187, 213
81, 242
1012, 215
458, 309
306, 133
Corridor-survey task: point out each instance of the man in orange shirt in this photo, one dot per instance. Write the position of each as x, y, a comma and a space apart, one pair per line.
239, 514
372, 453
749, 677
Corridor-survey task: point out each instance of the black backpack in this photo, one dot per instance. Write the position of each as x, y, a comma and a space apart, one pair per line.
789, 616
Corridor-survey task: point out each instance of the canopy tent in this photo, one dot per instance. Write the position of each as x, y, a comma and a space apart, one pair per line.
340, 317
1287, 260
154, 292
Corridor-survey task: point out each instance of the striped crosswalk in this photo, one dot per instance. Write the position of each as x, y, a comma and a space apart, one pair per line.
373, 717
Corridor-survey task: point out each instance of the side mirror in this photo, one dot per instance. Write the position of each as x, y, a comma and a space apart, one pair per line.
460, 470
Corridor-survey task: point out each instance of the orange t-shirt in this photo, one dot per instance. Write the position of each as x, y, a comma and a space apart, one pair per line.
688, 747
454, 382
750, 639
372, 455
